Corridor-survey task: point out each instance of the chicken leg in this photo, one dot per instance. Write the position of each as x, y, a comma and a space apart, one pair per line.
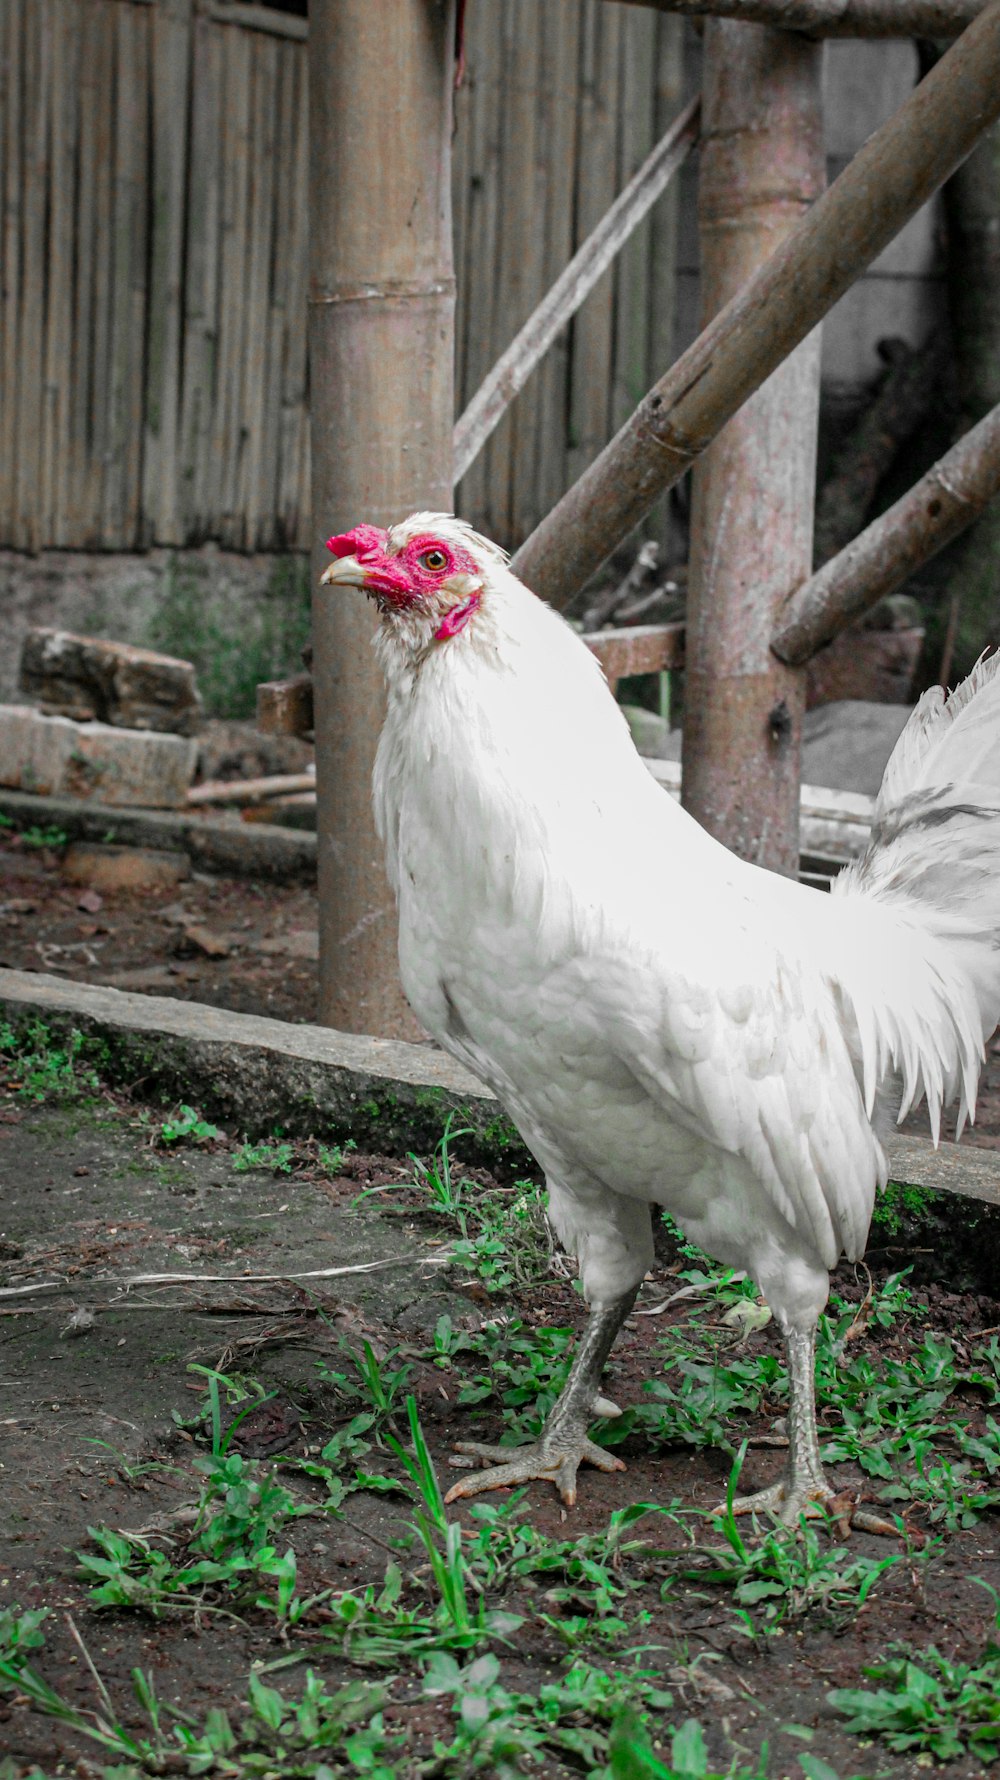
563, 1445
801, 1485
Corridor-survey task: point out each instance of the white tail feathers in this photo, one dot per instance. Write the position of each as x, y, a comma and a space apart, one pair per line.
933, 864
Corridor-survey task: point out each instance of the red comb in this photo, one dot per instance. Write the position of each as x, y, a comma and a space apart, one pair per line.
359, 542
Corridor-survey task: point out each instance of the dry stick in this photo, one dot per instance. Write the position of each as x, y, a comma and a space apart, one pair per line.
560, 304
438, 1259
837, 18
250, 790
947, 499
895, 172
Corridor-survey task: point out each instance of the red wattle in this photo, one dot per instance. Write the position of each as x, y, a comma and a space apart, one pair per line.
457, 618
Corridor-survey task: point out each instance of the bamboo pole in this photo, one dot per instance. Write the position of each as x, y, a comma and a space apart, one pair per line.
574, 284
381, 306
762, 164
896, 171
837, 18
947, 499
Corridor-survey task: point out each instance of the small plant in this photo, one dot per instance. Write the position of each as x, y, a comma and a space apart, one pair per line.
375, 1383
242, 1394
229, 1556
573, 1719
927, 1703
526, 1371
377, 1626
48, 836
331, 1156
42, 1068
272, 1153
187, 1126
503, 1236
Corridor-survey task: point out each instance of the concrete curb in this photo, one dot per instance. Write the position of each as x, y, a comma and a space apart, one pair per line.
313, 1081
258, 1073
235, 849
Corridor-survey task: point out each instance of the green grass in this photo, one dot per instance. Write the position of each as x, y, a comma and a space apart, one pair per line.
502, 1238
37, 1066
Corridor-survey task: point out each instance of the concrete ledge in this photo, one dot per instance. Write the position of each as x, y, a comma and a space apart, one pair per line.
236, 849
951, 1168
259, 1073
314, 1081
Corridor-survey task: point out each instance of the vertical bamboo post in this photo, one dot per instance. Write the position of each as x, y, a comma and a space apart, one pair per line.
761, 165
381, 324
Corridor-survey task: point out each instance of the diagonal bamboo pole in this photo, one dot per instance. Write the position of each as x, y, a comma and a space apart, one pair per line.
936, 509
512, 370
895, 172
933, 19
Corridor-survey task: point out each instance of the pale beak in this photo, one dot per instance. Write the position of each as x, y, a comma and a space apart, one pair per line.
345, 572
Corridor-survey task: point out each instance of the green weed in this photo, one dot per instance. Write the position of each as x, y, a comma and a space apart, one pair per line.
271, 1153
928, 1703
317, 1736
41, 1067
502, 1238
225, 1562
187, 1126
899, 1203
49, 835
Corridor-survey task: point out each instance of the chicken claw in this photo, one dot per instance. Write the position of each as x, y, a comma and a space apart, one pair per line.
553, 1459
789, 1505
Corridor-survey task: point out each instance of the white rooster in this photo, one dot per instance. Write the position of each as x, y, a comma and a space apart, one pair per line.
665, 1024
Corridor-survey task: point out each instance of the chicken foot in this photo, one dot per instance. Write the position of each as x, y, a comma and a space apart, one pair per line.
563, 1446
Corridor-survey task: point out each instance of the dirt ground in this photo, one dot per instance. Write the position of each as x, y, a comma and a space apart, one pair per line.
88, 1434
263, 937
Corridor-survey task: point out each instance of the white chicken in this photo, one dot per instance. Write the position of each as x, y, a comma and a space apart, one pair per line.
666, 1024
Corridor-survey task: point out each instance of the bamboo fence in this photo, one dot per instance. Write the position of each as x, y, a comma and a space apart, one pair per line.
154, 248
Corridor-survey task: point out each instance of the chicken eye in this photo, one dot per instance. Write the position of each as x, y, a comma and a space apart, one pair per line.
433, 560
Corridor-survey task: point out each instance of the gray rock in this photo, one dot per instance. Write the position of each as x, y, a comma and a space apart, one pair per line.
846, 745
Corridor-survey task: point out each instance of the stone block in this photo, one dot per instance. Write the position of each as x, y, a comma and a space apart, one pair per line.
35, 751
105, 867
89, 678
129, 767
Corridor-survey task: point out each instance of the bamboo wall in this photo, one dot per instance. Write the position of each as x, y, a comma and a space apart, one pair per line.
153, 261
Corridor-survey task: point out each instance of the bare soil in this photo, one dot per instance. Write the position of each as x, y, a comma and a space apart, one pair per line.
264, 937
90, 1198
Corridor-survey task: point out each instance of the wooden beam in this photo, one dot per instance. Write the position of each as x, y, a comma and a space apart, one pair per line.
637, 649
936, 509
896, 171
256, 18
560, 304
933, 19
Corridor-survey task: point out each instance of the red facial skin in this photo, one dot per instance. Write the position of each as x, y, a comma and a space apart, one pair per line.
403, 580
